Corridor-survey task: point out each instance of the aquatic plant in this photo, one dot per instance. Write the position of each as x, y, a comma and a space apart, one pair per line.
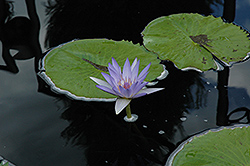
125, 85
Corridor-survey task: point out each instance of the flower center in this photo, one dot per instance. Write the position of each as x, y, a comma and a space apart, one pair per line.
126, 85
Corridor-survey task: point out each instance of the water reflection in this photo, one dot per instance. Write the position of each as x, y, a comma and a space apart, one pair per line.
114, 141
229, 98
229, 112
95, 128
229, 10
117, 20
21, 34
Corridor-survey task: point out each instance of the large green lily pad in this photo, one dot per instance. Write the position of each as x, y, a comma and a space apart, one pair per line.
220, 147
189, 39
69, 66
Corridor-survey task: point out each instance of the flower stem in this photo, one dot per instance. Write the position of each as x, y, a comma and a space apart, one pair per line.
128, 111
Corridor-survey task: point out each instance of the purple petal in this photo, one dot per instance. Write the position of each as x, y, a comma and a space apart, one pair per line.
104, 88
139, 95
146, 91
110, 66
113, 73
150, 90
139, 87
108, 78
116, 66
125, 92
115, 89
133, 88
100, 82
126, 70
135, 71
133, 64
120, 104
144, 71
130, 93
115, 82
142, 77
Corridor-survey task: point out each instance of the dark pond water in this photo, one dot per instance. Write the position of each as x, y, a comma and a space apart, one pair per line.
39, 128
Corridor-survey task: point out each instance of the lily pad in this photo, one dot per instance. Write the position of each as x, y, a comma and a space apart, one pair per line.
69, 66
224, 146
189, 39
6, 164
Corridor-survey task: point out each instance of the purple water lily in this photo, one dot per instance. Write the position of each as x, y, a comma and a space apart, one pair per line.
127, 84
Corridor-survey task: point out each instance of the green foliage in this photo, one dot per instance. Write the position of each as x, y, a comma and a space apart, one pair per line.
189, 39
6, 164
220, 147
69, 66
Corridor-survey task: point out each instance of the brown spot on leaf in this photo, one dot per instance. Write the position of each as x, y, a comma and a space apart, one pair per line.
204, 60
224, 58
201, 40
235, 50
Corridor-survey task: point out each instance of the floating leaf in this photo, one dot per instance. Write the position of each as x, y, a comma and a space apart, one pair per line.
189, 39
224, 146
69, 66
5, 163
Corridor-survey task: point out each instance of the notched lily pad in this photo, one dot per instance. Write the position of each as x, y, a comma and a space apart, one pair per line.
188, 40
222, 146
69, 66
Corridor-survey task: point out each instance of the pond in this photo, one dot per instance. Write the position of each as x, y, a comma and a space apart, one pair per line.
39, 127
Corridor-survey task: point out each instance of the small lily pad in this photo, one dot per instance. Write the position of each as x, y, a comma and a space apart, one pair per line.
224, 146
6, 164
69, 66
189, 39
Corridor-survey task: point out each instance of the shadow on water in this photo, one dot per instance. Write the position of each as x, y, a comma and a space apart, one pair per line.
224, 116
21, 34
95, 127
117, 20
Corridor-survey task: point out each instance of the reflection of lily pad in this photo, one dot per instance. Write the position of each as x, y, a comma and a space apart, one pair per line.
69, 66
223, 146
189, 39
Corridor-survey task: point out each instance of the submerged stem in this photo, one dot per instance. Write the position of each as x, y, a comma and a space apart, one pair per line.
130, 117
128, 111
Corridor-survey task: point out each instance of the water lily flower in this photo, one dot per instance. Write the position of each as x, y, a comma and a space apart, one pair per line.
126, 85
